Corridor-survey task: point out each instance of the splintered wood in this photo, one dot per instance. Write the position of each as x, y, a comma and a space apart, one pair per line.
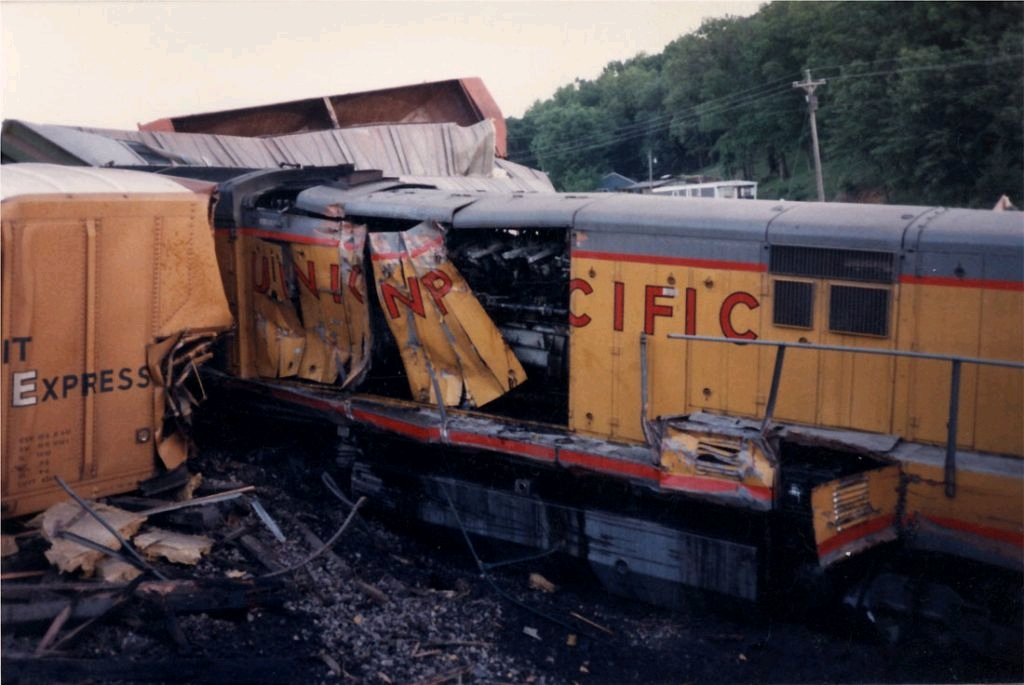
70, 555
178, 548
69, 517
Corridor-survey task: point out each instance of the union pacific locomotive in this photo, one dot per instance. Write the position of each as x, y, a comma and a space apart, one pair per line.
743, 397
751, 398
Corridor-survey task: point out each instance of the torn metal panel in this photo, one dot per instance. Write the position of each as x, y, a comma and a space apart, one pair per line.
430, 362
280, 336
311, 315
443, 155
855, 512
445, 336
870, 444
735, 467
462, 101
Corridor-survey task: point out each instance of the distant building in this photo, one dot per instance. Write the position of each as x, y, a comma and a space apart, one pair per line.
733, 190
613, 182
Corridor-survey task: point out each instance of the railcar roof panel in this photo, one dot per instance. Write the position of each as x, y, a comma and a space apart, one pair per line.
523, 211
45, 179
974, 230
697, 218
413, 204
844, 226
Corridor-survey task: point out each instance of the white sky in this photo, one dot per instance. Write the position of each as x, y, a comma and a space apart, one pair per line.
115, 64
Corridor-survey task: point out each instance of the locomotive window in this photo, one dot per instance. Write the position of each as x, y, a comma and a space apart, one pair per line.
848, 265
793, 304
859, 310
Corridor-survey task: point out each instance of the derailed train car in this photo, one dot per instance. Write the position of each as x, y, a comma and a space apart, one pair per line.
111, 301
738, 397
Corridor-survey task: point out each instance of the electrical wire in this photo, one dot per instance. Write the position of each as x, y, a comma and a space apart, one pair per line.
744, 98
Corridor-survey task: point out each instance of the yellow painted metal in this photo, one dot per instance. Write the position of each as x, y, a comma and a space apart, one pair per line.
445, 337
280, 337
706, 464
999, 416
724, 378
855, 512
89, 282
352, 290
987, 510
935, 310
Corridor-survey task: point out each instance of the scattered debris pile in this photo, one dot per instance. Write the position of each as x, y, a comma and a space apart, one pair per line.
260, 573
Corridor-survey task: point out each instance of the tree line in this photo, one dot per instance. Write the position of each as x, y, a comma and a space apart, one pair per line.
923, 104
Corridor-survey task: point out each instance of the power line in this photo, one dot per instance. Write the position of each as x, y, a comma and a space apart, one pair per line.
746, 97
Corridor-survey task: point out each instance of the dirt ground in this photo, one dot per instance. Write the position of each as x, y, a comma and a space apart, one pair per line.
397, 605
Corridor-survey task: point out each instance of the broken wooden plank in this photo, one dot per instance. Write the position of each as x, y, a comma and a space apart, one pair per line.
372, 592
13, 613
260, 552
51, 632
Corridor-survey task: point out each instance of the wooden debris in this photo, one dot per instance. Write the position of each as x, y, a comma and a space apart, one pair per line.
539, 582
9, 546
51, 632
178, 548
17, 575
259, 551
603, 629
66, 516
447, 676
372, 592
116, 571
188, 491
332, 664
314, 541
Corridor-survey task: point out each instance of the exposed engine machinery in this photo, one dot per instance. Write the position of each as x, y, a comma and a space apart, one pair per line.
739, 397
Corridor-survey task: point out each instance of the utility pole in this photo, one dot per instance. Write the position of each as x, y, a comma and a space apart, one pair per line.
650, 170
808, 87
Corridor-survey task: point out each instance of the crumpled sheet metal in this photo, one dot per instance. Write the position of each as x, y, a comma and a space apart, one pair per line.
407, 149
310, 308
452, 351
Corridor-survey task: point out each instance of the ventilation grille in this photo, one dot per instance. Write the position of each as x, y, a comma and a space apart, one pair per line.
851, 503
847, 265
864, 311
793, 304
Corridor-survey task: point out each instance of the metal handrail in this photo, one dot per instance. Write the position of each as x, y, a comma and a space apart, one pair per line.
956, 362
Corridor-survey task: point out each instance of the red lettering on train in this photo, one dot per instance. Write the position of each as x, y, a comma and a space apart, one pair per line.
263, 284
651, 307
579, 321
690, 327
620, 305
725, 315
391, 295
437, 283
308, 279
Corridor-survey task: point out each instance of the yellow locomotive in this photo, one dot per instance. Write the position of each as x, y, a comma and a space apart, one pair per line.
683, 393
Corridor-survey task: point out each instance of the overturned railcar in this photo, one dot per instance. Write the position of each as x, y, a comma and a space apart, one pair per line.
720, 395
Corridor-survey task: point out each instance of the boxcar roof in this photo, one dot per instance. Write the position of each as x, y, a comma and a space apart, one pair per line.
46, 179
